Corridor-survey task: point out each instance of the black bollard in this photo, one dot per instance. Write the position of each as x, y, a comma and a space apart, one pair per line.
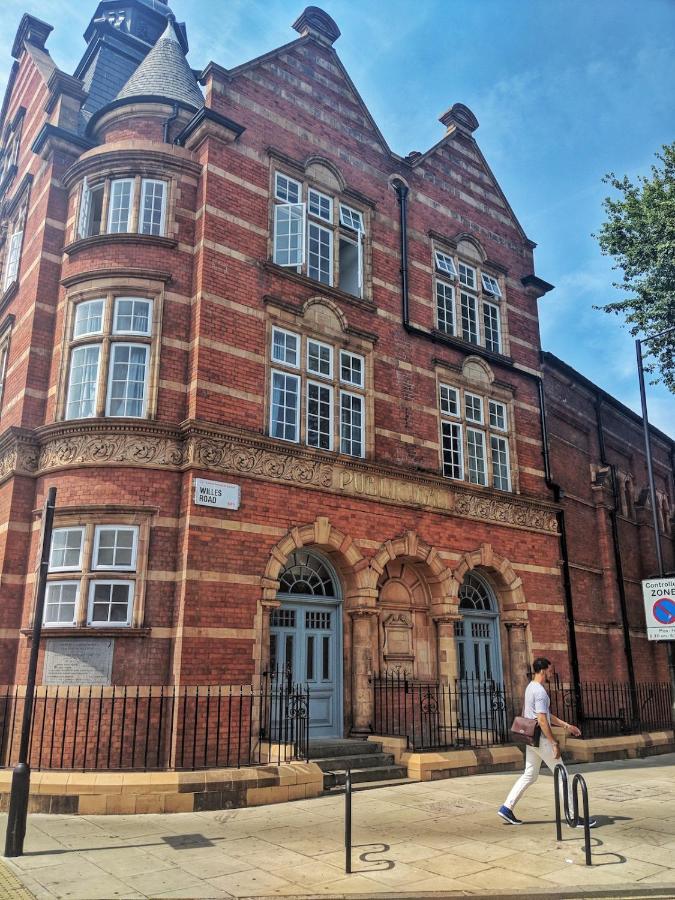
348, 822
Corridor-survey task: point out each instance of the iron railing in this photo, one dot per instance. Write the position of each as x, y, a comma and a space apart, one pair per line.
477, 713
154, 728
605, 709
468, 713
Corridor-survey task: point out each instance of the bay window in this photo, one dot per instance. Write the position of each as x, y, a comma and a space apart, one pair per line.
111, 353
122, 206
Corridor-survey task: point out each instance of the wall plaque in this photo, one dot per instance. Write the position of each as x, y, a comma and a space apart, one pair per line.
78, 661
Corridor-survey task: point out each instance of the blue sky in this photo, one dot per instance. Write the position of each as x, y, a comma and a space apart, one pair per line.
564, 90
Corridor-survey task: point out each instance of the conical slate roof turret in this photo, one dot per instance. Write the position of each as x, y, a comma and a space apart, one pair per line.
165, 73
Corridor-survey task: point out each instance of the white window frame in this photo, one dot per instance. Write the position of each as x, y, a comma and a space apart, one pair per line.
61, 583
117, 330
456, 434
118, 345
351, 218
290, 181
466, 275
85, 304
313, 194
145, 182
298, 382
78, 567
13, 257
450, 394
299, 215
474, 301
496, 321
493, 404
362, 361
90, 604
321, 385
94, 402
468, 396
445, 264
322, 346
442, 287
133, 529
111, 208
298, 347
491, 285
331, 237
362, 400
504, 447
481, 434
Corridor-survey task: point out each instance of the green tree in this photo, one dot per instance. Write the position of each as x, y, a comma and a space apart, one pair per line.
639, 232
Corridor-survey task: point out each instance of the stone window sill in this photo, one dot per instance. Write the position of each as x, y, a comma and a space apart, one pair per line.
87, 631
318, 286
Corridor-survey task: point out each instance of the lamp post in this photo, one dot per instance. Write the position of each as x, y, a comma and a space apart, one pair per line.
652, 494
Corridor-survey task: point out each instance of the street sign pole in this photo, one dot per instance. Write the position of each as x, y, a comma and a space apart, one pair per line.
18, 798
670, 645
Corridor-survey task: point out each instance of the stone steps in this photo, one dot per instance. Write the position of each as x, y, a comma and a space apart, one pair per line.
366, 761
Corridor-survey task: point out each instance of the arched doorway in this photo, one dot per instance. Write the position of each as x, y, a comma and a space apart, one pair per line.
306, 637
477, 634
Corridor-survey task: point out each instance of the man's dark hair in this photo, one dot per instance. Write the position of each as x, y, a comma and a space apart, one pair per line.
540, 664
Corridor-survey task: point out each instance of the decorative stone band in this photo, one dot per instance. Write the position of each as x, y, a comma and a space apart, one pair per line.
199, 446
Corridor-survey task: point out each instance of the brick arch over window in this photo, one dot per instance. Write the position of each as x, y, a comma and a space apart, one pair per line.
409, 546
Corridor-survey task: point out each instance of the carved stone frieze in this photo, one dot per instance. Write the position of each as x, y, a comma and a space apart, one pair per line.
199, 446
228, 456
112, 448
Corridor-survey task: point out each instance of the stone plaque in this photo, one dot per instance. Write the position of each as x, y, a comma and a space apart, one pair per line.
78, 661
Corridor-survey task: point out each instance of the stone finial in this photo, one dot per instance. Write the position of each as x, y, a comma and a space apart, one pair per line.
318, 23
32, 31
459, 117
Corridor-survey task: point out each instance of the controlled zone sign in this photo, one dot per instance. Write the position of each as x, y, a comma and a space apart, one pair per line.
659, 597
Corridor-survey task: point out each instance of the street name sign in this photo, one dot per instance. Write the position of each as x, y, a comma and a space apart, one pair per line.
217, 493
659, 597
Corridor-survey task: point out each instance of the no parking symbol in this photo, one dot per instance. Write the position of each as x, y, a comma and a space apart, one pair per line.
659, 599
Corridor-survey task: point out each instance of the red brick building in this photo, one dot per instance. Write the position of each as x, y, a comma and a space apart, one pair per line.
237, 281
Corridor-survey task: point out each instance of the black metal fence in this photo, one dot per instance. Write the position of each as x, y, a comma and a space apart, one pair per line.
478, 713
470, 713
146, 727
610, 708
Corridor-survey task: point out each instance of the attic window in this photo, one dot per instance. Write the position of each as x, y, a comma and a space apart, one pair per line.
445, 264
491, 285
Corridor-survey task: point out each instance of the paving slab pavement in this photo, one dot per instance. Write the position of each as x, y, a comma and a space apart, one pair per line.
433, 839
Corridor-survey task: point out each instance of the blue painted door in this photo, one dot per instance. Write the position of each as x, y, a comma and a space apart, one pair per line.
305, 645
480, 670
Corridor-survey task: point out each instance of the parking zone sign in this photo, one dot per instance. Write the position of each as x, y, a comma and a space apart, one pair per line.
659, 597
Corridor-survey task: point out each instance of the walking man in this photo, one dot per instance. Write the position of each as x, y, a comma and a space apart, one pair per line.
537, 705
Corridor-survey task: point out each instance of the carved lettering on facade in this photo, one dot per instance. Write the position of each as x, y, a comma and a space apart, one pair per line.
178, 450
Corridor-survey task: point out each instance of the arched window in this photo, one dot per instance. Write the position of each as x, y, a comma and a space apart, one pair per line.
308, 575
475, 595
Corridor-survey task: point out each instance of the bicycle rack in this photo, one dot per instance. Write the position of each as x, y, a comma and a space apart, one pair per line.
572, 820
348, 822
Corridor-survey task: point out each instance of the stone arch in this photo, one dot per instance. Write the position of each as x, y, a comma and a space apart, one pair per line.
326, 172
325, 314
343, 553
512, 608
477, 370
410, 546
472, 246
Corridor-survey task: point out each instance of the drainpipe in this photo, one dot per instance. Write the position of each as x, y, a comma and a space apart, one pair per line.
617, 559
169, 122
402, 196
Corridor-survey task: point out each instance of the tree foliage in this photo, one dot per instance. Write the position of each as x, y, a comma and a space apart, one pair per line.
639, 232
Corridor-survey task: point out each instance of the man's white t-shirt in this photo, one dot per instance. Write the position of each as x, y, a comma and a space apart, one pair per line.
536, 701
